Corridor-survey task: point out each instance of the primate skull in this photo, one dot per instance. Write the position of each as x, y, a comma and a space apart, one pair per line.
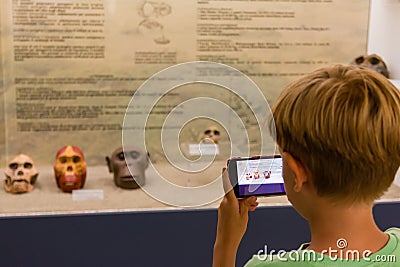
70, 168
373, 62
267, 174
21, 175
131, 177
211, 135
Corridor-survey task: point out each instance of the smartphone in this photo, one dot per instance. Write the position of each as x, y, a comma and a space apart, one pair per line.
256, 176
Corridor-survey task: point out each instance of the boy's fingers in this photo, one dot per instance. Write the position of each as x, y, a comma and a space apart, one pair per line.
251, 203
251, 200
253, 207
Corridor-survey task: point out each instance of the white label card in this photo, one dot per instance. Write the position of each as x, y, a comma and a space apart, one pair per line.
87, 194
203, 149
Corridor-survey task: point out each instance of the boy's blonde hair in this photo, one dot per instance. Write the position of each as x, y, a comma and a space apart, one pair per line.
343, 124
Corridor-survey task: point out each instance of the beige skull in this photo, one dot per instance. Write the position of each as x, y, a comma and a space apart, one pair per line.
21, 175
373, 62
211, 135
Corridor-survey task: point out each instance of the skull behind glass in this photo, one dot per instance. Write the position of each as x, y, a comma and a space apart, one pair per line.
211, 135
132, 177
373, 62
70, 168
21, 175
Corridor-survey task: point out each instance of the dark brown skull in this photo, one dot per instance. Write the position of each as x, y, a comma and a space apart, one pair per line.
373, 62
137, 161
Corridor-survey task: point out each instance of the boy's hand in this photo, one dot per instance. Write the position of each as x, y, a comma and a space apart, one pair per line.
232, 224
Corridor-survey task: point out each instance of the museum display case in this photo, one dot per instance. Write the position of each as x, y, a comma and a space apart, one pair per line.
118, 116
100, 75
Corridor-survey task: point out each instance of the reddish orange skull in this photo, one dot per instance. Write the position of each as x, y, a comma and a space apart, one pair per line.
70, 168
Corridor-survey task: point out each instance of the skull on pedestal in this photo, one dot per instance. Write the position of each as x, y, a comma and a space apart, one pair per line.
373, 62
210, 135
21, 175
131, 177
70, 168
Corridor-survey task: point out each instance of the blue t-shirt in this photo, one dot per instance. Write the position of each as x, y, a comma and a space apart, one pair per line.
388, 256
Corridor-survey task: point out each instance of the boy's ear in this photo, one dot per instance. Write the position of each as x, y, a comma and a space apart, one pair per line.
299, 170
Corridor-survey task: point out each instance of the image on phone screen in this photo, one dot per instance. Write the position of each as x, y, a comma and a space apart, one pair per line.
262, 176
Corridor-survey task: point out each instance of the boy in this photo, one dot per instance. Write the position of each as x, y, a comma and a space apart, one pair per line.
338, 131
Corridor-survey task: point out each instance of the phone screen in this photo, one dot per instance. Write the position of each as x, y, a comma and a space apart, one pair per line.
260, 176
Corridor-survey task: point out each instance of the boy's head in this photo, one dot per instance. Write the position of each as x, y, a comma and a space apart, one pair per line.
343, 124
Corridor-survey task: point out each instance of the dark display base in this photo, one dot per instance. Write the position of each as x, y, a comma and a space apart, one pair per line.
157, 238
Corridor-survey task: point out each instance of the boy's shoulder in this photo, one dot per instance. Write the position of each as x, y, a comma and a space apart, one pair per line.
394, 230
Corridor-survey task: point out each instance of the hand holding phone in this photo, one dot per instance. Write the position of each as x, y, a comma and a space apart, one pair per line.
256, 176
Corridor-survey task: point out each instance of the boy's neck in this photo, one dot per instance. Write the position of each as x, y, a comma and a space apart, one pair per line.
355, 224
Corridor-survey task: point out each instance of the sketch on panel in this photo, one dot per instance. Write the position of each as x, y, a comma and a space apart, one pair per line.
151, 11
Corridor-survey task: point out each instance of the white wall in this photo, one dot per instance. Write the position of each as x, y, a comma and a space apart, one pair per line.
384, 38
384, 33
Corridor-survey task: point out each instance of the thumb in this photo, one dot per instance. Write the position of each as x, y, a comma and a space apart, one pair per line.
227, 185
248, 204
